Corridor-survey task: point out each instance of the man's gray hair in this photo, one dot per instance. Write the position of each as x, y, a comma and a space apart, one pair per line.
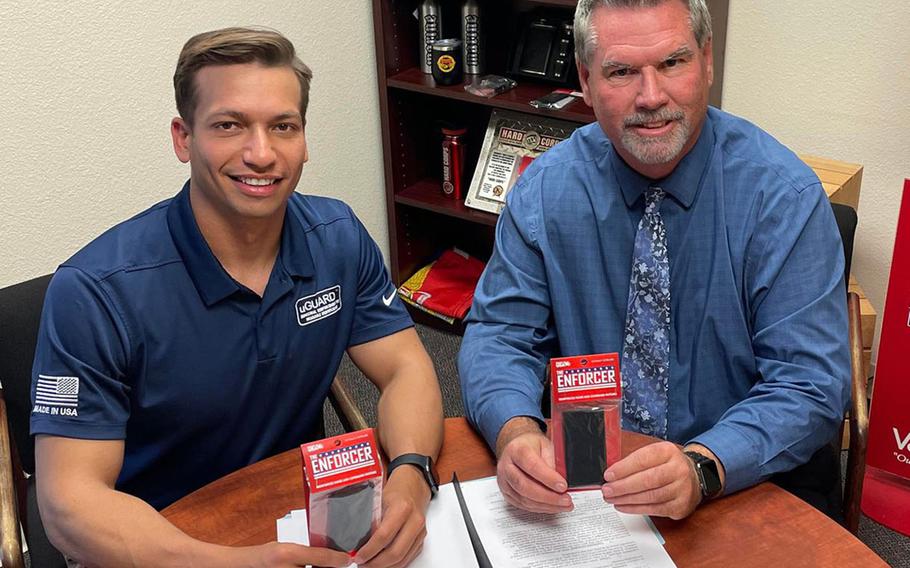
586, 38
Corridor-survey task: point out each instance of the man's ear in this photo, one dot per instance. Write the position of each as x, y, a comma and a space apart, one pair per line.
306, 148
708, 54
583, 74
180, 135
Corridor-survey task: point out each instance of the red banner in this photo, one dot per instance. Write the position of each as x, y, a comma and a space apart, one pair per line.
886, 487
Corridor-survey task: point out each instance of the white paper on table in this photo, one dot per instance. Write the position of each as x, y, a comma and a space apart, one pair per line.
594, 535
447, 542
293, 528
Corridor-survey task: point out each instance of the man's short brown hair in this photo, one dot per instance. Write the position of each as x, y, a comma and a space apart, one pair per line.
231, 46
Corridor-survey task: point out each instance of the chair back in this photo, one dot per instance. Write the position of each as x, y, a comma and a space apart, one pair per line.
846, 224
20, 314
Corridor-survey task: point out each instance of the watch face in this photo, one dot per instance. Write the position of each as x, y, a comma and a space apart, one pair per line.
711, 479
708, 476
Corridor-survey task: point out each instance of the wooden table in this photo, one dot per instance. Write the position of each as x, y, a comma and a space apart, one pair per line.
762, 526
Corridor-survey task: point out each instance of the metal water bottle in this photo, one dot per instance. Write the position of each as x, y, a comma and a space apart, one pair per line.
472, 35
429, 15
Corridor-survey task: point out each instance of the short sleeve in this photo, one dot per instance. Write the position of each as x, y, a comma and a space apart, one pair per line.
379, 311
79, 387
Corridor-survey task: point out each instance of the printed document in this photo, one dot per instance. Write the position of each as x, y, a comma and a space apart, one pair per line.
593, 535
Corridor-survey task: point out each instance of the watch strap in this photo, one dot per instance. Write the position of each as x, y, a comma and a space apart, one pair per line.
423, 463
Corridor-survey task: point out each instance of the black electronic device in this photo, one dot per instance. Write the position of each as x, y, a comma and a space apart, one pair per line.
586, 454
708, 476
544, 47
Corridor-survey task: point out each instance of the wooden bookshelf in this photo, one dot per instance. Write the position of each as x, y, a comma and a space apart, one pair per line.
422, 222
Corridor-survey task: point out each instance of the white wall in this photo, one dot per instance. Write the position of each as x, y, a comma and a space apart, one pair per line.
87, 98
832, 78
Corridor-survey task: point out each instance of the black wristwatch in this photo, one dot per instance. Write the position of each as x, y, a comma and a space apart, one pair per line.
421, 462
708, 476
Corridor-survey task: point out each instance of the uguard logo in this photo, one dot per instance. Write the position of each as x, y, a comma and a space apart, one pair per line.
903, 445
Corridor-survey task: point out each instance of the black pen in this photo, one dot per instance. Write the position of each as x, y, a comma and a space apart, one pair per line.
479, 552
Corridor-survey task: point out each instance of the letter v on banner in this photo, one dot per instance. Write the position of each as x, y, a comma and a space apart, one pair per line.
886, 486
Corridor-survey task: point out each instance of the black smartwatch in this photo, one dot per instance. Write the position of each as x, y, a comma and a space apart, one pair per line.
708, 476
421, 462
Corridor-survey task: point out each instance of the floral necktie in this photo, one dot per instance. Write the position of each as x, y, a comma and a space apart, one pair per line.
646, 349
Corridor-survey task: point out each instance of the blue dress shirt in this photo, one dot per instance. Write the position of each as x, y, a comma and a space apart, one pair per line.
759, 363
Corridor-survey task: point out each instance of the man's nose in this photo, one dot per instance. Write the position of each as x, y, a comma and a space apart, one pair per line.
258, 152
651, 94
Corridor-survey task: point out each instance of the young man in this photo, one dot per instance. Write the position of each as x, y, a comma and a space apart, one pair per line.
204, 333
687, 240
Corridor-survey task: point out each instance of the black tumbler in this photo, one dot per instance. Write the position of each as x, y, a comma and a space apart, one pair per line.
448, 66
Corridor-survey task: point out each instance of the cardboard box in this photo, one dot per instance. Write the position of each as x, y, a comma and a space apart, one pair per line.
841, 180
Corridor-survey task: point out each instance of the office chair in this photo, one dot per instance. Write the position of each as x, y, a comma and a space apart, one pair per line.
20, 313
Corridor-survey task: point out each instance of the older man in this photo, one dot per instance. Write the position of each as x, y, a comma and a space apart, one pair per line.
686, 239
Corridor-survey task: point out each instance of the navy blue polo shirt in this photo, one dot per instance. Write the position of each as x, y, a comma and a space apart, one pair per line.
145, 337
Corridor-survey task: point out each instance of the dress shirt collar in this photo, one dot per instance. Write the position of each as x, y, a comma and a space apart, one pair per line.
211, 279
683, 182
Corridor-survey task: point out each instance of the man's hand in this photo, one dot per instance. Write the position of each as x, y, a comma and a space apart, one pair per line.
286, 555
657, 479
525, 469
399, 537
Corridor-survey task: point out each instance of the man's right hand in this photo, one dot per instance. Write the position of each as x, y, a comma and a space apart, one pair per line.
526, 469
286, 555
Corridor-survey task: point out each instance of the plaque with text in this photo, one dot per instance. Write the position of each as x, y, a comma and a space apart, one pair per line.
512, 141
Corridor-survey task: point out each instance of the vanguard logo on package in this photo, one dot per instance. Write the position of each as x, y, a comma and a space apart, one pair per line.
902, 444
585, 377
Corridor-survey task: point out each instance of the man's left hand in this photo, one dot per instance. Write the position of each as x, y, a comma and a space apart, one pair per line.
399, 537
657, 479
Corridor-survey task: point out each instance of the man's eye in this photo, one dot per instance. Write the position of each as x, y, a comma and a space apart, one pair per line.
619, 73
227, 126
285, 127
671, 62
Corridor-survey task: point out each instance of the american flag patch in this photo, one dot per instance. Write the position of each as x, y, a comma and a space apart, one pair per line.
57, 391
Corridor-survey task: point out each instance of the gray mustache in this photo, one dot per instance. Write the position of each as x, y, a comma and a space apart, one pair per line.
642, 118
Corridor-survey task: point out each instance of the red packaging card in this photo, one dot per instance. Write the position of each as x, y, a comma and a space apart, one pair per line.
586, 399
343, 489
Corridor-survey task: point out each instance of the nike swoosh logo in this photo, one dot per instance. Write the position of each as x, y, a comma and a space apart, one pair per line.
388, 301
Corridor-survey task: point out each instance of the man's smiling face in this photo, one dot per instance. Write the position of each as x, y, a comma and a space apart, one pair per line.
246, 147
648, 83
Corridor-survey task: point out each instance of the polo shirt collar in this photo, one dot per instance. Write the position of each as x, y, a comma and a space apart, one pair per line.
211, 279
295, 252
683, 182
